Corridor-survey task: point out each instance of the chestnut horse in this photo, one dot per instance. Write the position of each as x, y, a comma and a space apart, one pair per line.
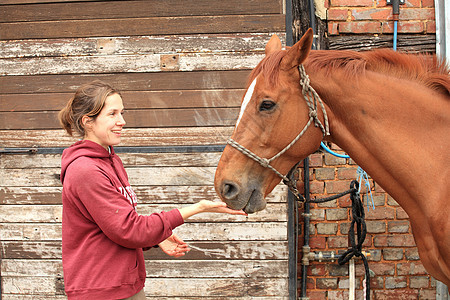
389, 111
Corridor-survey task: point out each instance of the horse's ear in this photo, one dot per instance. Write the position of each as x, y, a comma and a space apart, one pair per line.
273, 45
298, 53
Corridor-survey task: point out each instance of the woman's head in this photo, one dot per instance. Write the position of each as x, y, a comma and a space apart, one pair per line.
94, 113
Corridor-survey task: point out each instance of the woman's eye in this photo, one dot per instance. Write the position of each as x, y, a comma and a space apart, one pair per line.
267, 105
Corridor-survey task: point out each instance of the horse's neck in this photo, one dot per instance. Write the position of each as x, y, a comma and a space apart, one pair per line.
390, 129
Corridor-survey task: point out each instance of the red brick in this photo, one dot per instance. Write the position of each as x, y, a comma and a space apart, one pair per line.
412, 3
428, 3
360, 27
398, 226
398, 240
416, 14
372, 14
333, 28
317, 270
351, 2
327, 228
338, 295
316, 160
395, 294
327, 283
331, 160
336, 187
411, 268
338, 242
404, 27
316, 295
337, 214
346, 173
339, 14
381, 213
317, 214
393, 253
412, 254
396, 282
317, 187
317, 242
430, 26
324, 173
419, 282
345, 201
427, 294
383, 268
401, 213
391, 201
376, 226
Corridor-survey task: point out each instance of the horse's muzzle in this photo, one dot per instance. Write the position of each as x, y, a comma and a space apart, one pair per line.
250, 199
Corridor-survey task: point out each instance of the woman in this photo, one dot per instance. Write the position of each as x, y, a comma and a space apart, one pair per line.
102, 235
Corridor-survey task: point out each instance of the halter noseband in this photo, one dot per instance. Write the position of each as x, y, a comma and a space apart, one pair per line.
311, 98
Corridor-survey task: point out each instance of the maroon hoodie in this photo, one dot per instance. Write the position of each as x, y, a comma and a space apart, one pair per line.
102, 234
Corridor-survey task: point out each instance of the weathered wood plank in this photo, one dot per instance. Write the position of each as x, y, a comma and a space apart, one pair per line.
169, 287
139, 176
274, 212
142, 26
164, 81
132, 100
134, 9
187, 117
218, 287
129, 63
130, 137
207, 250
130, 45
30, 195
30, 161
275, 231
162, 268
405, 42
146, 194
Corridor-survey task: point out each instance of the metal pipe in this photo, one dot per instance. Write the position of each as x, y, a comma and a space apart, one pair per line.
306, 221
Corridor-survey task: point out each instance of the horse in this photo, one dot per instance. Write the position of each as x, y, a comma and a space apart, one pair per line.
389, 111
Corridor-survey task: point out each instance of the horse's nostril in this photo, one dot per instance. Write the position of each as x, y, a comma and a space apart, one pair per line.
230, 190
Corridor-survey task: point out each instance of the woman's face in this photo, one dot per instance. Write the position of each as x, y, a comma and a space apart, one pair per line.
106, 129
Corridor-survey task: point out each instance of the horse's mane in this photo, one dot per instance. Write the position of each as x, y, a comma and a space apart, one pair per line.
424, 69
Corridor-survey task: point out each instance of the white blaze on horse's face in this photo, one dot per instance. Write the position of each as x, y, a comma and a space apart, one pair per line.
247, 98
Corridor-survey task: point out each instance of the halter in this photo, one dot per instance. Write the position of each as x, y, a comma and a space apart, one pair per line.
311, 98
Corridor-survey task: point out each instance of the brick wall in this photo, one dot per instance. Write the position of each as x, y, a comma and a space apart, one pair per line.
375, 17
394, 260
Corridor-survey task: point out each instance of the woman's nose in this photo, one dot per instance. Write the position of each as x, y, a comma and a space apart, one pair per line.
121, 121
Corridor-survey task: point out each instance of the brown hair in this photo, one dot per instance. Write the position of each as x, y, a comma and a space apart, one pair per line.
88, 100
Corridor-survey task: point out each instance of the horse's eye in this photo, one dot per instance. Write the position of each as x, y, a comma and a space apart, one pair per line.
267, 105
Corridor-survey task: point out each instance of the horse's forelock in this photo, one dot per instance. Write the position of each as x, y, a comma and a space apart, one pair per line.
269, 67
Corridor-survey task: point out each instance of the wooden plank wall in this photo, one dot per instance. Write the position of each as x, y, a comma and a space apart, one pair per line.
181, 67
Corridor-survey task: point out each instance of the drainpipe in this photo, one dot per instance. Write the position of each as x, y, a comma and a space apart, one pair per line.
306, 218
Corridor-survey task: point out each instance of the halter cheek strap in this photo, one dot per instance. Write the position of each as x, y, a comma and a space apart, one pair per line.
311, 98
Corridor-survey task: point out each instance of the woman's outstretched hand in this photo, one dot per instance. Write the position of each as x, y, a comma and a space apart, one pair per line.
209, 206
174, 246
218, 207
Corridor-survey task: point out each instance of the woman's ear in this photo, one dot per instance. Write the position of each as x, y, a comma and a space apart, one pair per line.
86, 121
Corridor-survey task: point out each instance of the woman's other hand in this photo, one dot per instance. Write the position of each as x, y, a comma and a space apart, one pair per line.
174, 246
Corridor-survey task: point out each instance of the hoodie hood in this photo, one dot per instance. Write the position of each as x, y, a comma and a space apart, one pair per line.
79, 149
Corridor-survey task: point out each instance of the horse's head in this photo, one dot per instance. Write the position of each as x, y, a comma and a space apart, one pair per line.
272, 115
